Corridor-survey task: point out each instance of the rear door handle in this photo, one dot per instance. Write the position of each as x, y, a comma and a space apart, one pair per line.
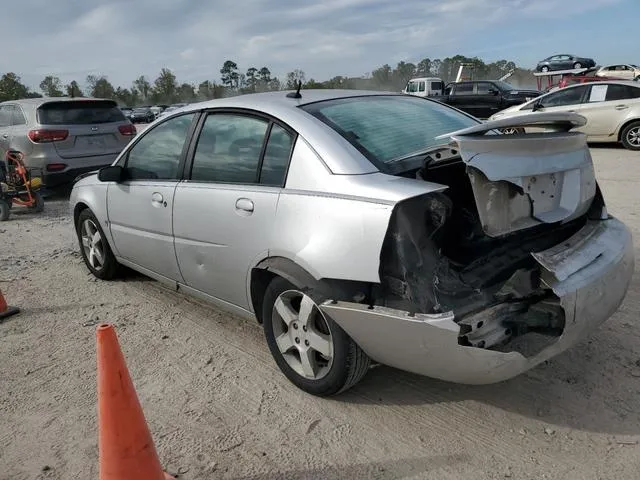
245, 205
158, 200
621, 107
5, 135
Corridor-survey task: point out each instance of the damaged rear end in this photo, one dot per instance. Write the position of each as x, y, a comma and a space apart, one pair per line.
514, 262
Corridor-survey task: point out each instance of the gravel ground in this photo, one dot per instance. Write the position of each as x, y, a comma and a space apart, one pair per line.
219, 408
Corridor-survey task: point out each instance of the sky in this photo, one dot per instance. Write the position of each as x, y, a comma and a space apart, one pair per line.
125, 39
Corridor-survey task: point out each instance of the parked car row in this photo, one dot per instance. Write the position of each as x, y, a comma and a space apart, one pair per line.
147, 114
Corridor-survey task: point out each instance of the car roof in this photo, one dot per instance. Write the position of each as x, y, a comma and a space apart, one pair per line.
336, 152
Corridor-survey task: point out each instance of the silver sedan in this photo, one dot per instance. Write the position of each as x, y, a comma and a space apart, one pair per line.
367, 227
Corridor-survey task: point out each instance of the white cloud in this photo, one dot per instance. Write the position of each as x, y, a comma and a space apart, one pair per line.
124, 39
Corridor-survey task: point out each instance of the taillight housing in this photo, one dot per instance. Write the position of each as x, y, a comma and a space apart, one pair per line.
56, 167
42, 135
128, 130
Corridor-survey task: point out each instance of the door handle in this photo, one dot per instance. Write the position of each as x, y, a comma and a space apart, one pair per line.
245, 205
5, 135
621, 107
571, 111
158, 200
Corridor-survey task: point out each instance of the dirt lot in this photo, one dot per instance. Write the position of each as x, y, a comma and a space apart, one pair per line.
219, 408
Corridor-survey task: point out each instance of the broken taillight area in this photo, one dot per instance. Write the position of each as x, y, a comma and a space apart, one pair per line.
470, 249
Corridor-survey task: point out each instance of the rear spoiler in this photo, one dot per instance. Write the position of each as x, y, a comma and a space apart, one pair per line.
559, 122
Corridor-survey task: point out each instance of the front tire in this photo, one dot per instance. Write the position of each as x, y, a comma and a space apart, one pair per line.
577, 65
630, 136
312, 351
544, 69
95, 249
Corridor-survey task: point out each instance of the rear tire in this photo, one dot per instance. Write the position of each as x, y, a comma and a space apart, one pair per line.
39, 205
630, 136
344, 365
94, 247
5, 209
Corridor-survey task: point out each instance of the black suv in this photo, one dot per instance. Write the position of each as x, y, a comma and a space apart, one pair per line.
483, 98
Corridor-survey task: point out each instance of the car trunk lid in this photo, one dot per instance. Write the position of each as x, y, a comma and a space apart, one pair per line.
524, 180
92, 127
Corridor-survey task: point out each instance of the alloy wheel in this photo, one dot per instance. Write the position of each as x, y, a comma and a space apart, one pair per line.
302, 335
93, 245
633, 137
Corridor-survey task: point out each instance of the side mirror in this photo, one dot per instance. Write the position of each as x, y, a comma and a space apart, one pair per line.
493, 91
113, 173
537, 106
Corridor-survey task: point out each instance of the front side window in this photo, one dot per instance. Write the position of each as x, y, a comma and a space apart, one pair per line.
386, 127
564, 97
229, 149
412, 87
484, 87
157, 155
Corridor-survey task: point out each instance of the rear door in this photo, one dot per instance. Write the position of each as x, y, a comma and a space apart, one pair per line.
462, 97
607, 106
487, 103
92, 126
223, 215
140, 207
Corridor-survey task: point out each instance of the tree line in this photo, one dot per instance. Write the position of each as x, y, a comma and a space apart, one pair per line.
166, 89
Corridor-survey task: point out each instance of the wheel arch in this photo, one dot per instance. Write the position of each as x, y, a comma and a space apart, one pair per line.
625, 125
269, 268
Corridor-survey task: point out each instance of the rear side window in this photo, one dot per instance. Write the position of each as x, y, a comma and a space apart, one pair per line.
276, 157
436, 86
229, 149
621, 92
463, 89
5, 116
83, 112
17, 117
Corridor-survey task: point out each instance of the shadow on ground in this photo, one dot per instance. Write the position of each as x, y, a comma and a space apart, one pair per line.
394, 469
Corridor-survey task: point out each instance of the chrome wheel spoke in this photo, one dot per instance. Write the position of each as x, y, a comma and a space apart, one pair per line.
86, 241
320, 342
306, 311
285, 311
97, 253
308, 363
284, 342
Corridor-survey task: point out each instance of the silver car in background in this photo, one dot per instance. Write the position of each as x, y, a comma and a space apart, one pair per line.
364, 227
65, 137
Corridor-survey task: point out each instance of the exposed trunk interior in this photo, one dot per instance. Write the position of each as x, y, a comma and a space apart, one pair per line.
437, 257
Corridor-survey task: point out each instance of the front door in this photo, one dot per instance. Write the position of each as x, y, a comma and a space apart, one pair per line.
140, 207
488, 98
224, 214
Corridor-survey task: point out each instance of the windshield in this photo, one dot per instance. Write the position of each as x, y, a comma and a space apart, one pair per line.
384, 128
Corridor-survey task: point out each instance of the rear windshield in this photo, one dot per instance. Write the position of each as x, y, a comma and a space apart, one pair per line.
79, 113
385, 128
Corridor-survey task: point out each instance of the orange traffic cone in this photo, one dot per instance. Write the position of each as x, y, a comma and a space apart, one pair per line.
6, 310
126, 448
